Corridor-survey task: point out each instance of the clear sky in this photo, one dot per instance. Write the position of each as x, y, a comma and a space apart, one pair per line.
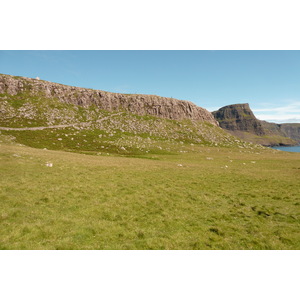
268, 80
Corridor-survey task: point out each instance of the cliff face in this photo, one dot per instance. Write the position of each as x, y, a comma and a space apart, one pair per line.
163, 107
239, 117
240, 121
291, 130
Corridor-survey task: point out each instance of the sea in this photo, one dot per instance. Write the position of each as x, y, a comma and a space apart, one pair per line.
288, 149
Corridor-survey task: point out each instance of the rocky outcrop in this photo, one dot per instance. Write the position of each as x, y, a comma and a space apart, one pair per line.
163, 107
240, 121
290, 130
239, 117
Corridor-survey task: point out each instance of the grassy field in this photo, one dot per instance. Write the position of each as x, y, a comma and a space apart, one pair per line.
207, 198
116, 180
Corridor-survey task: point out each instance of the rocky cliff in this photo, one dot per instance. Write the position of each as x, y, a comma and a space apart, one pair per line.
240, 121
291, 130
163, 107
239, 117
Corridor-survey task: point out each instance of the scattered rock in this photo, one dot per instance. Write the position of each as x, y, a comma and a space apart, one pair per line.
163, 107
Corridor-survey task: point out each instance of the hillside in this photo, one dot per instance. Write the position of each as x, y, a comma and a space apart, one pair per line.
48, 115
239, 120
164, 179
164, 107
290, 130
239, 117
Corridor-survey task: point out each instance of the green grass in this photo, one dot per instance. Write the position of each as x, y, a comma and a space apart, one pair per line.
148, 183
183, 201
124, 134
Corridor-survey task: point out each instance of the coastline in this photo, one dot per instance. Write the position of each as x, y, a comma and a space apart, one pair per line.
295, 148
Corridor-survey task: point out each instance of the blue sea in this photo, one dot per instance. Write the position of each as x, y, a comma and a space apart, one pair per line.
289, 149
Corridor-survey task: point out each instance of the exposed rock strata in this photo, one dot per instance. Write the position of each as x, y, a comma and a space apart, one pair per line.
240, 121
239, 117
163, 107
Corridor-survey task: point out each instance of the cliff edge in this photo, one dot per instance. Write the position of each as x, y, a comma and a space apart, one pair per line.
239, 117
163, 107
239, 120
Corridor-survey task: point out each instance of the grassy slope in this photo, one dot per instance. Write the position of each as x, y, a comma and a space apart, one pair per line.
150, 183
181, 201
266, 140
125, 134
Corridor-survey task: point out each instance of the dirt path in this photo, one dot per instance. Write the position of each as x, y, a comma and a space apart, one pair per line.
58, 126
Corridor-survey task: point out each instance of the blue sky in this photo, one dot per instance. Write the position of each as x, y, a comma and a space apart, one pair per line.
268, 80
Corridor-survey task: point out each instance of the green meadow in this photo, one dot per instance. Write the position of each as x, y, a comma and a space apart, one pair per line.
116, 180
201, 198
